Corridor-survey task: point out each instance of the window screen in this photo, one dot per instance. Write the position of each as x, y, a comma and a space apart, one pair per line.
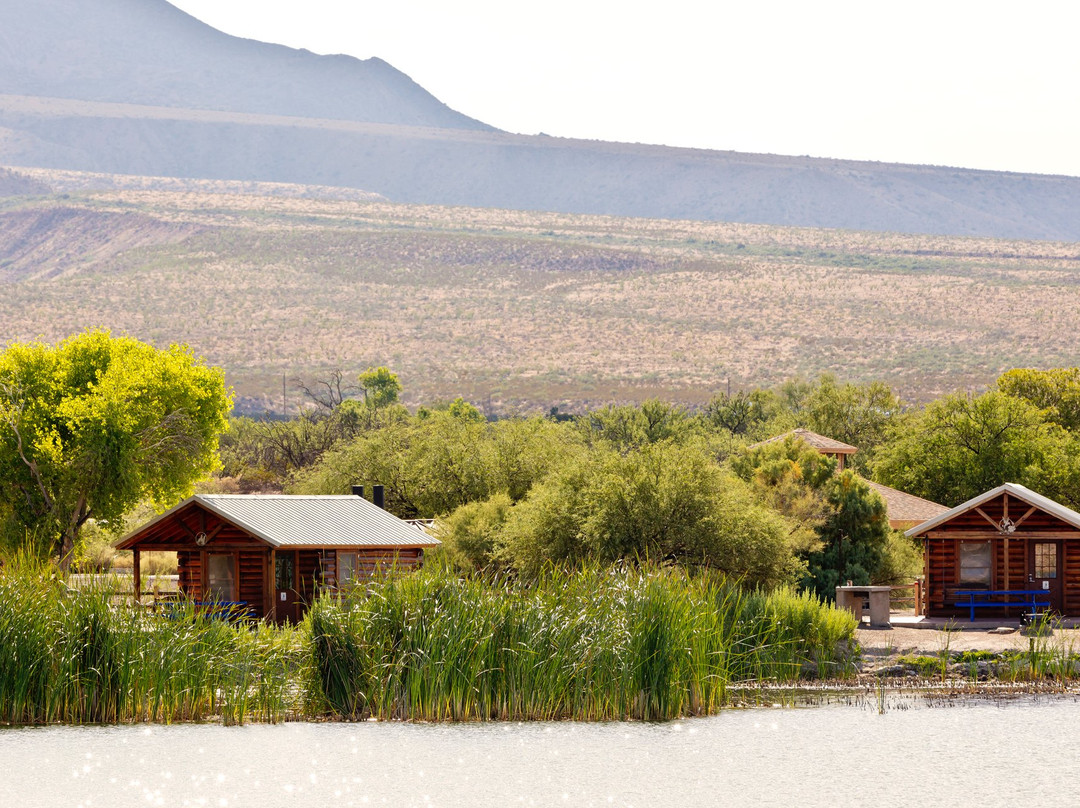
975, 558
221, 577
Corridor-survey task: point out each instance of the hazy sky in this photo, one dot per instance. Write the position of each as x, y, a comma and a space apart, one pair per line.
974, 84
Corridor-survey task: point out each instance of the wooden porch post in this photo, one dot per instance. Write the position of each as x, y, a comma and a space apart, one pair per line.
926, 576
1005, 551
272, 588
137, 592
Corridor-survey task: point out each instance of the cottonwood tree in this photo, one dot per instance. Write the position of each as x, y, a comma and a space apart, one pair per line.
94, 425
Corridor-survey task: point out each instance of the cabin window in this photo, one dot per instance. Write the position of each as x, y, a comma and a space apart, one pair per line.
1046, 561
284, 567
221, 577
346, 568
975, 563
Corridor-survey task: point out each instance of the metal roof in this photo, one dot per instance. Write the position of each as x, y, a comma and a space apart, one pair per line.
1067, 515
287, 520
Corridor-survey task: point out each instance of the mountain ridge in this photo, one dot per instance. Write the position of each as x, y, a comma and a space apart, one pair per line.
157, 93
150, 52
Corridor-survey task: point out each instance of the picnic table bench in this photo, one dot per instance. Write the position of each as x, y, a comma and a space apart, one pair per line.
217, 609
1030, 599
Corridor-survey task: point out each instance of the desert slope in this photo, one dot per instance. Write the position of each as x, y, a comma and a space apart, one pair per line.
519, 310
138, 87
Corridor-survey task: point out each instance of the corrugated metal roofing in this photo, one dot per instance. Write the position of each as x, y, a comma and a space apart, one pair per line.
284, 520
1067, 515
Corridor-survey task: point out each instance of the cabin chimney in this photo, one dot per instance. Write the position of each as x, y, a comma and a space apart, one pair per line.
377, 495
358, 491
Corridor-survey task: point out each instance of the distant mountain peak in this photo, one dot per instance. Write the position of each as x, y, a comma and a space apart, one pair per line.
150, 52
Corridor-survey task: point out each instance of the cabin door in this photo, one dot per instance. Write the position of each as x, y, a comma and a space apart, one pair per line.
285, 587
1044, 570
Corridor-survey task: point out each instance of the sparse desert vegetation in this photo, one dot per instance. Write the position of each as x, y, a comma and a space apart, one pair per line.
516, 310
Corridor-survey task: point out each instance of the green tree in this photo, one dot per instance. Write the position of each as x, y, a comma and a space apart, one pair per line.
841, 524
433, 464
855, 537
628, 427
662, 501
962, 445
857, 414
380, 387
96, 424
756, 414
1057, 391
790, 477
471, 534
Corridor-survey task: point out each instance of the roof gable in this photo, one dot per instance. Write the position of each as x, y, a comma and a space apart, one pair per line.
1015, 490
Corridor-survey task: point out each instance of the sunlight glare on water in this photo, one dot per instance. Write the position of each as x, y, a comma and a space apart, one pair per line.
819, 756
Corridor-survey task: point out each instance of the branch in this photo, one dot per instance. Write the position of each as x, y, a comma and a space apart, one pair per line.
14, 395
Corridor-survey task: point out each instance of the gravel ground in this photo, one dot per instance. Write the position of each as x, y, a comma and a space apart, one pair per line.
880, 643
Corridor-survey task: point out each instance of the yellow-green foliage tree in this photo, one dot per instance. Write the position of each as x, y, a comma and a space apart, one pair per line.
1056, 391
845, 516
95, 424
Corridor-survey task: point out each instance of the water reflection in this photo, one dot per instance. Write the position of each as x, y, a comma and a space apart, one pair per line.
831, 755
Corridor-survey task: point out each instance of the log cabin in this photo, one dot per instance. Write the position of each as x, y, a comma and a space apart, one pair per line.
1009, 539
270, 554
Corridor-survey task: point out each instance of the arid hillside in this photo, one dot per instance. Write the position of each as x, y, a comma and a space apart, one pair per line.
514, 309
138, 87
419, 164
12, 183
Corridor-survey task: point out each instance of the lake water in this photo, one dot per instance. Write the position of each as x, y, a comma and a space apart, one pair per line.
972, 753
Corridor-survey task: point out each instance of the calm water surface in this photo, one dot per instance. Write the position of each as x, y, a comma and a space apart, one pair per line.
987, 754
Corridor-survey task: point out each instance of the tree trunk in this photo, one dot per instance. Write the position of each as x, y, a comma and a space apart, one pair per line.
71, 534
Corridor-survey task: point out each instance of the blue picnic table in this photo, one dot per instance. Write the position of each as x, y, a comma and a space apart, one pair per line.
227, 610
1031, 600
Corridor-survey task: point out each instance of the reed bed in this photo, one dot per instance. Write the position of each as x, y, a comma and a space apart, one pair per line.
87, 656
592, 644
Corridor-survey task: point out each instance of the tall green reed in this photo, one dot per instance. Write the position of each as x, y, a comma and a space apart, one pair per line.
89, 656
594, 643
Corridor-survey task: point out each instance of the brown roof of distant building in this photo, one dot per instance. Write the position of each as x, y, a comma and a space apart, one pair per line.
819, 442
907, 508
